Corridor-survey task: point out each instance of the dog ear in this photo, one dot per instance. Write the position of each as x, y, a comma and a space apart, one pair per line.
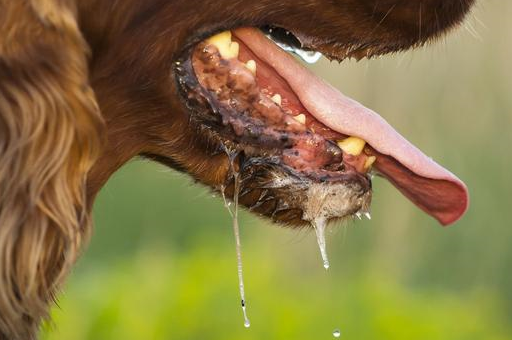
50, 135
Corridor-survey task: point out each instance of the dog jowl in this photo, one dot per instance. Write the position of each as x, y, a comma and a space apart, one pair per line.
85, 86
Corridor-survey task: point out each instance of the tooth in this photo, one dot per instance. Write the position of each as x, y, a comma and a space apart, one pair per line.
226, 47
234, 49
300, 118
222, 39
369, 162
251, 65
276, 99
352, 145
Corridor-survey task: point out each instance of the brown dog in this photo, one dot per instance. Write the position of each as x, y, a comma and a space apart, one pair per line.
87, 85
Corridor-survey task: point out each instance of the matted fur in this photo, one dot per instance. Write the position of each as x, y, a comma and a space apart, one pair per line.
49, 138
51, 129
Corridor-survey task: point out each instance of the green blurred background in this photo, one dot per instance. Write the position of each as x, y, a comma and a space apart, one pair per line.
162, 265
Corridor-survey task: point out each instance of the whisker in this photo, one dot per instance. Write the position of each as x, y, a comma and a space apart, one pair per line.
383, 18
471, 29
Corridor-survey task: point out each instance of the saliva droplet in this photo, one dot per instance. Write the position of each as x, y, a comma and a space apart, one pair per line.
336, 333
319, 225
247, 323
310, 57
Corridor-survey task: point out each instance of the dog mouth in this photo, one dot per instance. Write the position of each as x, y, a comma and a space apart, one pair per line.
303, 151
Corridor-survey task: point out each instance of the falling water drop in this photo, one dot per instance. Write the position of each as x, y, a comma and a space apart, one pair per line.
319, 225
247, 323
336, 333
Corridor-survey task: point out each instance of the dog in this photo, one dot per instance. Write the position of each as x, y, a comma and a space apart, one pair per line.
87, 85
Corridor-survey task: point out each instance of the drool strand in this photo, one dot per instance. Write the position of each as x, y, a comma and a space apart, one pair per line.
236, 231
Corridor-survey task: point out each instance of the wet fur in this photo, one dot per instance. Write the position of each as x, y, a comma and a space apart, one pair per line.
63, 62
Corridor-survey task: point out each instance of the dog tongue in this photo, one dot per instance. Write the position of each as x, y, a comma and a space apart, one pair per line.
431, 187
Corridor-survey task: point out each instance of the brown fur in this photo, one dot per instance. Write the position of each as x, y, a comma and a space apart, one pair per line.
51, 129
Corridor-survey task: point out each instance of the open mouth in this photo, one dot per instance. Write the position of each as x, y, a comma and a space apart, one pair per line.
304, 151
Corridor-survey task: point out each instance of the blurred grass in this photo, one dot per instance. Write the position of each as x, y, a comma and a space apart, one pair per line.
194, 295
161, 264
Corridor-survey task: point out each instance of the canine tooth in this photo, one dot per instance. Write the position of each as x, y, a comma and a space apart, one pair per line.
352, 145
300, 118
369, 162
221, 39
251, 65
276, 99
226, 47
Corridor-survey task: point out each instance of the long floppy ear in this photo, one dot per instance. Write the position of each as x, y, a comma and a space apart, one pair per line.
50, 135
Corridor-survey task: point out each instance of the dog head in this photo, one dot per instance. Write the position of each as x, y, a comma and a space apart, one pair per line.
86, 86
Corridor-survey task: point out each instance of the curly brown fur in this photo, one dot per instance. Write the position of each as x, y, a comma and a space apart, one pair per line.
51, 129
49, 138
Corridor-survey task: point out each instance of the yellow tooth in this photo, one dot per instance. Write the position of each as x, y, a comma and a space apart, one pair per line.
226, 47
352, 145
234, 49
251, 65
369, 162
300, 118
277, 99
220, 40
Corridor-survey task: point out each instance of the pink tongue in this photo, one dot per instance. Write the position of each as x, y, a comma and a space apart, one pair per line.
431, 187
